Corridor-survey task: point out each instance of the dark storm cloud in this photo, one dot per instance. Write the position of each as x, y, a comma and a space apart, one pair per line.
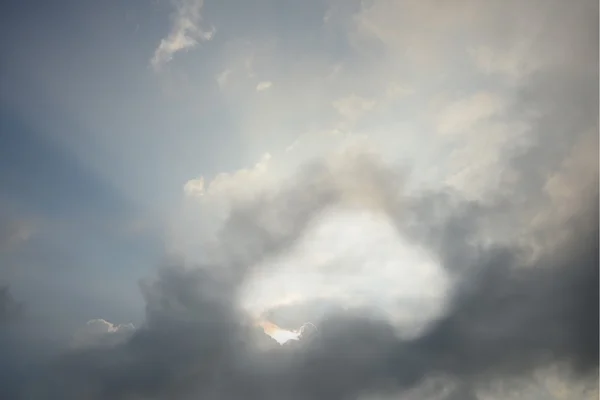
510, 317
507, 316
506, 319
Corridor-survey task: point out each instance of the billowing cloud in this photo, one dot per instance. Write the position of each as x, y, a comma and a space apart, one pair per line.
507, 314
470, 272
503, 263
236, 186
186, 32
194, 187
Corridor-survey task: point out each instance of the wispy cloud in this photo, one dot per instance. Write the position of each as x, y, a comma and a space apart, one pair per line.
353, 107
462, 114
223, 77
14, 232
263, 86
186, 32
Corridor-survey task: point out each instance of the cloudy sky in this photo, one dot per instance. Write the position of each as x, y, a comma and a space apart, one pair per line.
416, 178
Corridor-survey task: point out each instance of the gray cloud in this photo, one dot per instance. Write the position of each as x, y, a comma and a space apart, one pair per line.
101, 333
513, 310
507, 317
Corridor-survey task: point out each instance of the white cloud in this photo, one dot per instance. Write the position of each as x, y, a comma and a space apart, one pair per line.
208, 202
356, 259
194, 187
185, 33
101, 333
461, 115
263, 86
234, 186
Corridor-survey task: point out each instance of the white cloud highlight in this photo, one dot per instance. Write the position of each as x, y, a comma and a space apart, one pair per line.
355, 258
194, 187
101, 333
234, 186
262, 86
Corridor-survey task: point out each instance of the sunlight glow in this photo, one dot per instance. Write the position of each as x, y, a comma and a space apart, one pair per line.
281, 335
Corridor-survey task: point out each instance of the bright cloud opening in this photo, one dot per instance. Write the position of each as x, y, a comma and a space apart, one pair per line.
354, 259
280, 335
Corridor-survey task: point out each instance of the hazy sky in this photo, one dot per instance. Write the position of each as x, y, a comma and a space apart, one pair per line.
346, 155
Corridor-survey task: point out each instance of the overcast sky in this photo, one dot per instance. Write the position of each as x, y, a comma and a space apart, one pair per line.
338, 161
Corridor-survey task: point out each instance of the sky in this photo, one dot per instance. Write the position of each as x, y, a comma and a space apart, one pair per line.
418, 179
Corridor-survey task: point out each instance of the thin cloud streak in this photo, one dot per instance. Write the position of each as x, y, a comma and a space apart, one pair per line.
186, 32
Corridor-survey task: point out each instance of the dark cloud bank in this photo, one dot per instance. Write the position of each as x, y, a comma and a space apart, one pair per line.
507, 316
